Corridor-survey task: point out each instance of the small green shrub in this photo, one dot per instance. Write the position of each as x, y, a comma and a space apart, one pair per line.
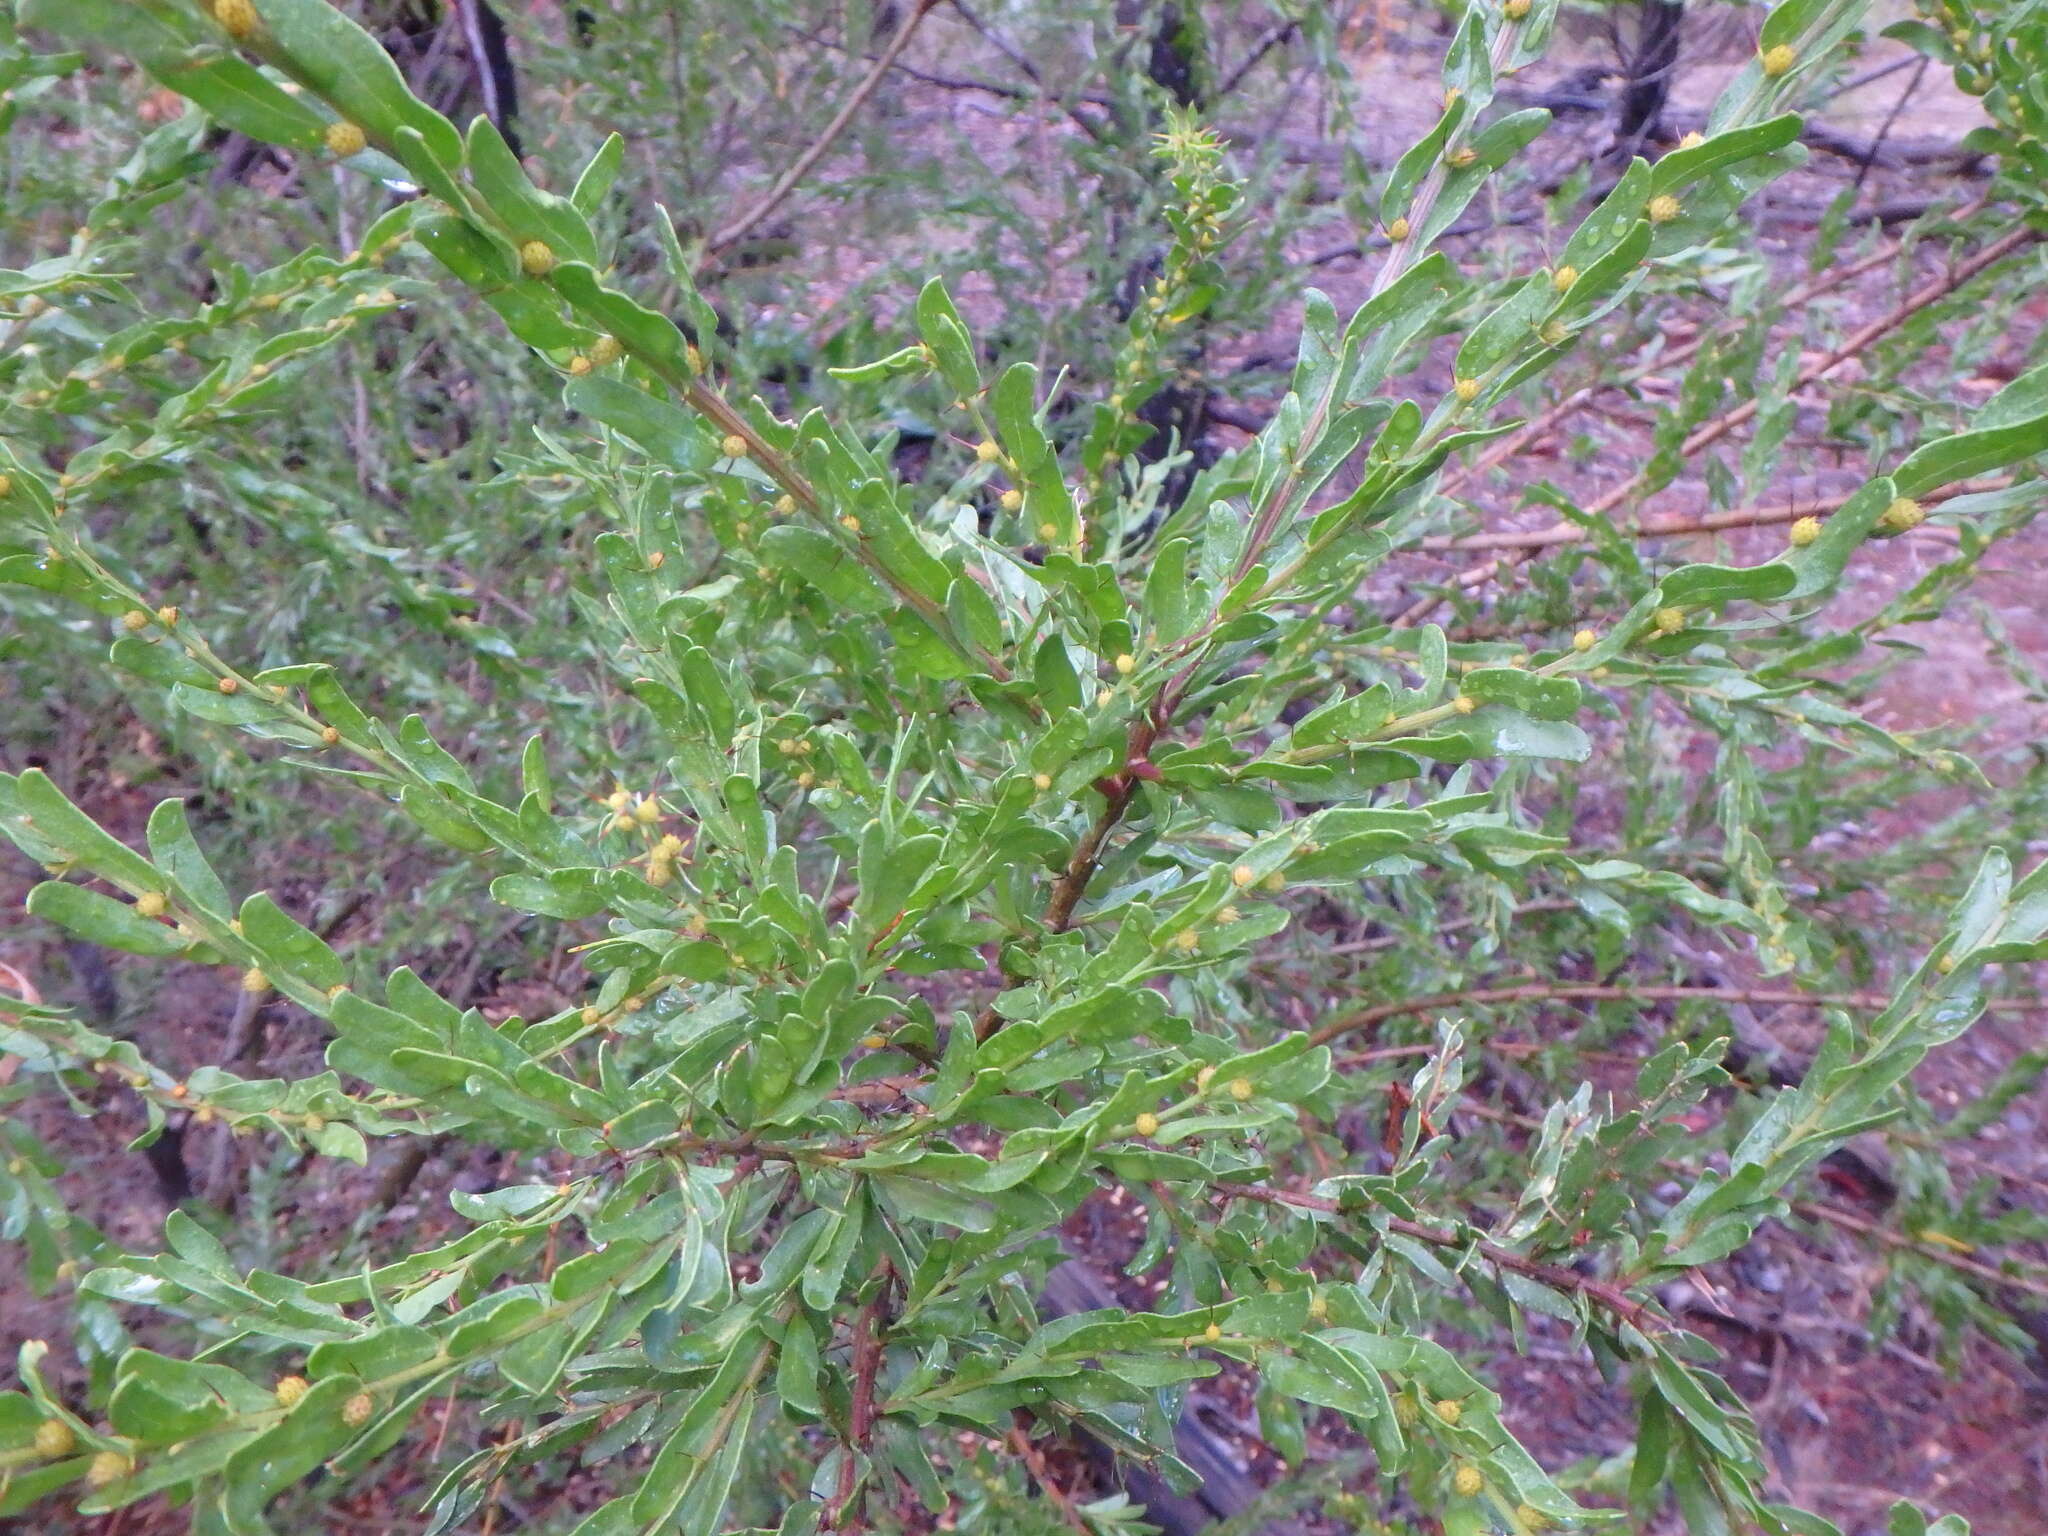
922, 843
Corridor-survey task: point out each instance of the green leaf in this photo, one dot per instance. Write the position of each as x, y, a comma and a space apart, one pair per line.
824, 563
1541, 698
660, 430
1695, 586
939, 323
100, 919
325, 51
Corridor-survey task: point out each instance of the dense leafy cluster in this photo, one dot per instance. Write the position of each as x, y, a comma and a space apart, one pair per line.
923, 866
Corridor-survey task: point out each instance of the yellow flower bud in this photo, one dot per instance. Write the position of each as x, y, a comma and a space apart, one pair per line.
291, 1391
1450, 1410
850, 523
1464, 704
536, 258
579, 365
1668, 621
330, 736
648, 811
54, 1439
784, 505
355, 1413
152, 903
733, 446
1147, 1124
1466, 390
1048, 531
1011, 500
228, 685
1212, 1333
237, 17
1204, 1078
1804, 532
987, 452
1228, 915
1187, 941
1275, 882
1243, 875
606, 350
344, 139
134, 619
1041, 781
874, 1042
255, 982
1515, 10
1663, 208
1398, 230
110, 1466
1779, 60
6, 486
1126, 665
167, 616
1461, 157
1563, 278
1585, 640
1555, 333
1692, 141
1901, 515
1468, 1479
1318, 1309
1241, 1088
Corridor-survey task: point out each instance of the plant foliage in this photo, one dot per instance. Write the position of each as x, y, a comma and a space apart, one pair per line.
922, 842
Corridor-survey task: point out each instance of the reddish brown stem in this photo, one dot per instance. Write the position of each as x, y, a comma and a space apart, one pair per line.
1041, 1474
1072, 884
1365, 1018
1608, 1297
1760, 516
866, 1364
1713, 431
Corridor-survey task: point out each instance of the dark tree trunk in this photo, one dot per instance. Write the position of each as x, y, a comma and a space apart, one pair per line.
1650, 65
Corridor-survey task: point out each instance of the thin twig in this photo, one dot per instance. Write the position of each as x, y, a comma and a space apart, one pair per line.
1858, 341
1557, 1278
1539, 991
1760, 516
866, 1364
923, 77
1816, 1211
1885, 129
1026, 67
1041, 1474
1073, 881
1515, 443
1274, 35
824, 141
1719, 427
1988, 1273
